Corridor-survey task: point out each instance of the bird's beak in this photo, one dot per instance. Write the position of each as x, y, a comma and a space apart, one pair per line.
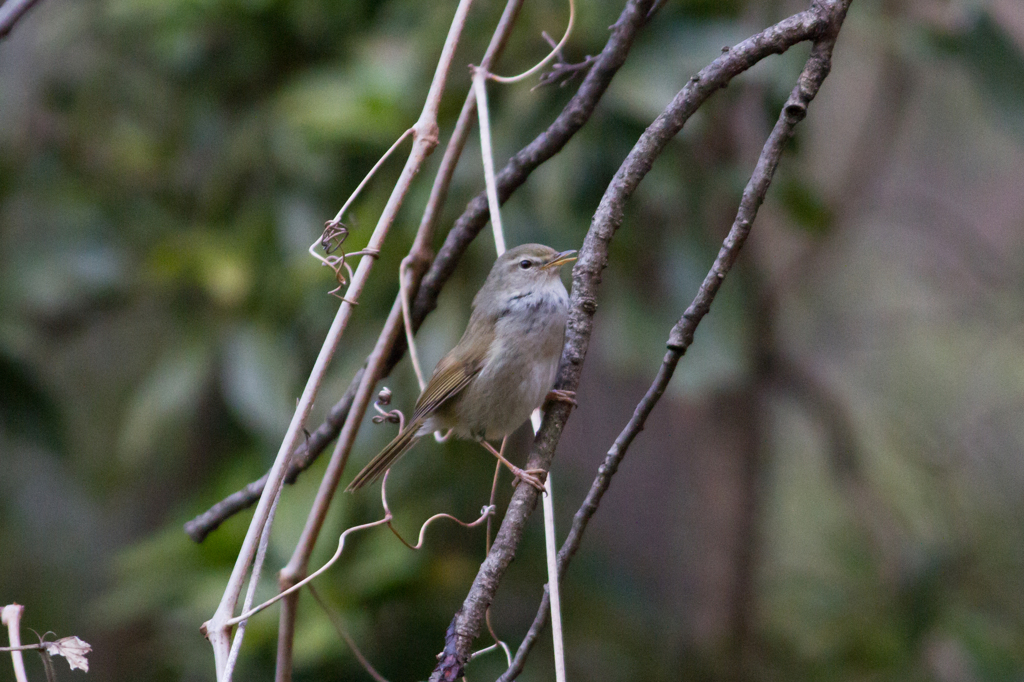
561, 259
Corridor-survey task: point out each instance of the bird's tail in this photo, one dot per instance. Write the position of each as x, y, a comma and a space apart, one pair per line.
379, 464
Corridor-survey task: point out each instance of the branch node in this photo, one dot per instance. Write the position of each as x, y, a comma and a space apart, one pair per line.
562, 72
796, 111
428, 133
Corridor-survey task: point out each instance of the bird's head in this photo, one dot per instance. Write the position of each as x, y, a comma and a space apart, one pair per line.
525, 270
529, 264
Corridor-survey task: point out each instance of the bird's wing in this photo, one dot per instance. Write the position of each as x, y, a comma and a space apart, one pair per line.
450, 376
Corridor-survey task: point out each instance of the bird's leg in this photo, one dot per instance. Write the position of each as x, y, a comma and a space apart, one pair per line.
531, 476
559, 395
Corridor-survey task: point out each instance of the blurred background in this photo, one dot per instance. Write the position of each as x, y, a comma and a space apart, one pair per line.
830, 489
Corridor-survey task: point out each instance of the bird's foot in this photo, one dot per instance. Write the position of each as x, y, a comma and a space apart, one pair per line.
534, 477
558, 395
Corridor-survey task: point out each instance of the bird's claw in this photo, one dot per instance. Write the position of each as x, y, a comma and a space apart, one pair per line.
531, 476
562, 396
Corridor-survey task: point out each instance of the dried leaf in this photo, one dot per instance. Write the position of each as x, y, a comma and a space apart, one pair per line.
73, 649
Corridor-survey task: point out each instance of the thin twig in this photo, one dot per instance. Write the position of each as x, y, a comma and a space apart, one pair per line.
480, 88
485, 515
553, 582
562, 72
405, 284
498, 642
335, 233
343, 633
551, 55
245, 615
336, 220
386, 520
487, 548
493, 206
494, 494
822, 23
493, 647
11, 11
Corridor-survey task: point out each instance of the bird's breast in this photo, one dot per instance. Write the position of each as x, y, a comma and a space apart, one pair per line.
520, 365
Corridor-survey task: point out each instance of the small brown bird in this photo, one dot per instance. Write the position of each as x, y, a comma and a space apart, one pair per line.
503, 367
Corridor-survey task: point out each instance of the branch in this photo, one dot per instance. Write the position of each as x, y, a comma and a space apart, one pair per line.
821, 23
575, 114
11, 12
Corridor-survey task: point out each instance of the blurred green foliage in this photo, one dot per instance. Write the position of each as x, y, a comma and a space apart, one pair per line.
164, 166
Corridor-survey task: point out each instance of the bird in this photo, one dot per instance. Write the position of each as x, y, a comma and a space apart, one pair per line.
502, 368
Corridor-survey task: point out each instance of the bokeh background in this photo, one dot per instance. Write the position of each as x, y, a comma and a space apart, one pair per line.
830, 490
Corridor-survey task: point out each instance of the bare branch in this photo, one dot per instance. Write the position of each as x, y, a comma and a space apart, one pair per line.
575, 114
821, 23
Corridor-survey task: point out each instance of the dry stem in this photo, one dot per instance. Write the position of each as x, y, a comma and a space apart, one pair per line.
10, 616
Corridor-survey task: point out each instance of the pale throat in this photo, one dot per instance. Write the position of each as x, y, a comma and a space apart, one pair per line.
543, 297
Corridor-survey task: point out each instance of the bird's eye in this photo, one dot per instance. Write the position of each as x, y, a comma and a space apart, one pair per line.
525, 264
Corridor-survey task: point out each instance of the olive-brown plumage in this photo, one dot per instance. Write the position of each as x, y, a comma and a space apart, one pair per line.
505, 363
